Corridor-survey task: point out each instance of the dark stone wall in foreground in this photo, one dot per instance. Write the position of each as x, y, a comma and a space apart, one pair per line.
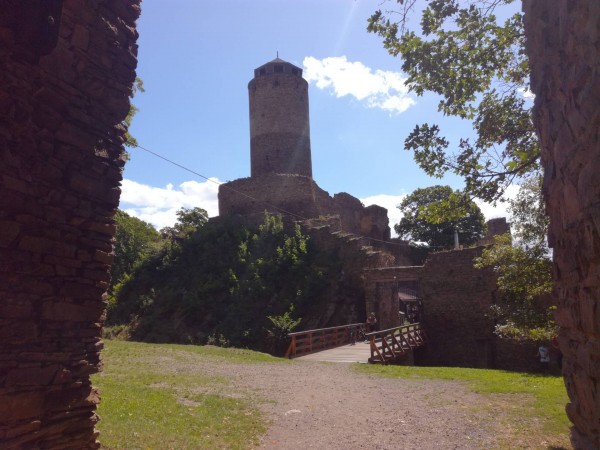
563, 44
66, 71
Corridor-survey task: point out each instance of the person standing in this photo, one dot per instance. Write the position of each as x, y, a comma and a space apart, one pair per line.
544, 355
371, 322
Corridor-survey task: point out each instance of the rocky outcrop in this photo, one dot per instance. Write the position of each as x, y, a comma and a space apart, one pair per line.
67, 68
563, 44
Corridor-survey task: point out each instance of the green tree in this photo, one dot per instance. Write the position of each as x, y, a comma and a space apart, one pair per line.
138, 86
524, 276
135, 240
189, 220
433, 214
524, 269
225, 284
530, 222
476, 62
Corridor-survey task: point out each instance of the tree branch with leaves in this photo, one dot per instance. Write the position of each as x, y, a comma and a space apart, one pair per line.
477, 64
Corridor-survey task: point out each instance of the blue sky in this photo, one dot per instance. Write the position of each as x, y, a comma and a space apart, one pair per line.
196, 59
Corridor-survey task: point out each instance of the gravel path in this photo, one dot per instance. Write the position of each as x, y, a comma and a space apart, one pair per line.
331, 406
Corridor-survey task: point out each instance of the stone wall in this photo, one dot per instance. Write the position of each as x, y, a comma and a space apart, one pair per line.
61, 136
300, 198
495, 227
563, 45
279, 122
456, 299
346, 294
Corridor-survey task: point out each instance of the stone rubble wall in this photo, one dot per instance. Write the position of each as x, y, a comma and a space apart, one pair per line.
456, 300
354, 254
61, 144
300, 197
563, 45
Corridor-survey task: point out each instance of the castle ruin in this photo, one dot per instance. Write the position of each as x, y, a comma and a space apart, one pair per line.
280, 155
63, 97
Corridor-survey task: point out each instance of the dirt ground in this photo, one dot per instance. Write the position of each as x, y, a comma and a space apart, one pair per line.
315, 405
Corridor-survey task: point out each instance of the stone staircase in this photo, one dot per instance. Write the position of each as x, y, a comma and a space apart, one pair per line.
328, 235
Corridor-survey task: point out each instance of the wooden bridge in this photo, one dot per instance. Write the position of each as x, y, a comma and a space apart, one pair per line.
386, 346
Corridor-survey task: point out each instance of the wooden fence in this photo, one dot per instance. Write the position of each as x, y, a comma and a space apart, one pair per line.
391, 345
310, 341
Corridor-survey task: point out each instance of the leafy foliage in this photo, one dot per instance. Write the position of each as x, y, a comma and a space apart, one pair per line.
188, 222
222, 282
524, 269
433, 214
477, 63
524, 274
138, 86
135, 240
280, 327
530, 222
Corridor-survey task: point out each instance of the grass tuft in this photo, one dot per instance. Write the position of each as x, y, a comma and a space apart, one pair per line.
157, 397
536, 411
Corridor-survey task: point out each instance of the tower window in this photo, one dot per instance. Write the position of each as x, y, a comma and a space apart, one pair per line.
262, 71
278, 68
294, 71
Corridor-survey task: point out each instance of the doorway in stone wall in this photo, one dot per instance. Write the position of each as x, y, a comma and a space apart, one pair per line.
410, 306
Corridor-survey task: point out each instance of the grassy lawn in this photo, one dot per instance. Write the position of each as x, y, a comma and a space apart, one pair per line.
166, 397
530, 406
157, 397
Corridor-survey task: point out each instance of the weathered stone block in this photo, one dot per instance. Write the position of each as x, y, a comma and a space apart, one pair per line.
18, 406
41, 376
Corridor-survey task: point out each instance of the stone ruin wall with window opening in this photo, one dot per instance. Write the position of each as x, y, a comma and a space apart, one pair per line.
66, 72
563, 45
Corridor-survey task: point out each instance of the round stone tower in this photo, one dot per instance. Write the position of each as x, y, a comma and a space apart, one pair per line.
279, 123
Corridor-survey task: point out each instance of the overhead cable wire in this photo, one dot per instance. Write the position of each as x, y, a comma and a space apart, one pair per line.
289, 213
224, 185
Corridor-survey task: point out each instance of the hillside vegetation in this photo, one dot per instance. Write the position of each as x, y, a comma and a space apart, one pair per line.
227, 285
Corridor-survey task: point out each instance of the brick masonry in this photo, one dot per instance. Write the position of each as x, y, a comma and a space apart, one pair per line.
61, 144
279, 120
456, 299
563, 45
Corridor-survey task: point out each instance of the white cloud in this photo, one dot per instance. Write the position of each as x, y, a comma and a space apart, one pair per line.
501, 208
159, 205
375, 88
526, 93
391, 202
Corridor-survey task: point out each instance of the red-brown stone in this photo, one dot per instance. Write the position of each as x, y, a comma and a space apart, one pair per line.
59, 179
562, 45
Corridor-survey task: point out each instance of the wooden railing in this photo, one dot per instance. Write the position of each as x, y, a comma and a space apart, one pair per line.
310, 341
392, 344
